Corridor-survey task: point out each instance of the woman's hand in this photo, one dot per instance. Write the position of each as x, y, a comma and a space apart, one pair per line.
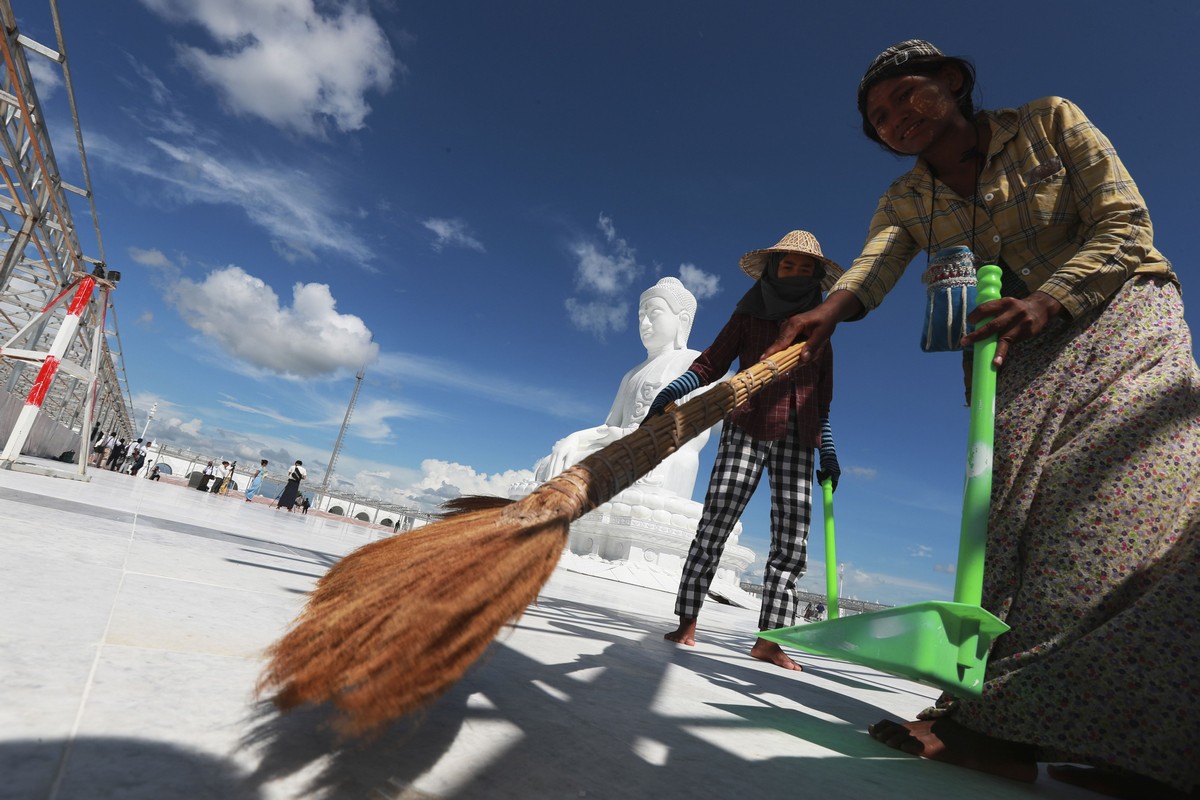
1014, 320
815, 326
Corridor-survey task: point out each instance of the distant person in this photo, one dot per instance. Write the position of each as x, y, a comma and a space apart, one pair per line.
777, 431
220, 476
100, 447
304, 505
97, 447
137, 457
1093, 535
227, 481
154, 476
209, 473
256, 481
291, 491
115, 455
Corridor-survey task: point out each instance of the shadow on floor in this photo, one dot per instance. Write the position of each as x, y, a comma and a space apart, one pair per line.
595, 727
115, 767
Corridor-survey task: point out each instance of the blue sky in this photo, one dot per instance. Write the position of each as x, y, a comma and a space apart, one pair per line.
469, 197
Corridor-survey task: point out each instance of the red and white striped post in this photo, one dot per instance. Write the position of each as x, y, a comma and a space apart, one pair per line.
45, 376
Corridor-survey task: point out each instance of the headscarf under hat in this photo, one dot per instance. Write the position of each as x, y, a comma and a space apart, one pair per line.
777, 298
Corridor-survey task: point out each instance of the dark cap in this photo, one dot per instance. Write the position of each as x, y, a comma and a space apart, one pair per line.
896, 55
909, 57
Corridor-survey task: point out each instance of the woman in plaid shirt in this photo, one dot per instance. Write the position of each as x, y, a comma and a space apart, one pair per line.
1093, 552
777, 431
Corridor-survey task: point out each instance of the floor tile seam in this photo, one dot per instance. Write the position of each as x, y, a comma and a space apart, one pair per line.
73, 734
273, 591
166, 525
258, 656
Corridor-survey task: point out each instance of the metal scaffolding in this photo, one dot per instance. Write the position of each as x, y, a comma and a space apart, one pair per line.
40, 251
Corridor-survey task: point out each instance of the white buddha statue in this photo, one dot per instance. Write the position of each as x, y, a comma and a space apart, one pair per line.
665, 314
642, 535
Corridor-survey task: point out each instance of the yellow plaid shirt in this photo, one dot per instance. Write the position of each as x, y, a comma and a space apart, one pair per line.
1055, 206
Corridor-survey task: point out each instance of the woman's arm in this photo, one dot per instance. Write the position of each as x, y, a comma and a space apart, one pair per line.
1115, 226
1113, 221
816, 326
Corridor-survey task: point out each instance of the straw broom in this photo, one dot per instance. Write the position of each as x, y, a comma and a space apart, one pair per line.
396, 623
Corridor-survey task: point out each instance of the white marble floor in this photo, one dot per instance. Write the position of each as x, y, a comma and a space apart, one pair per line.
134, 615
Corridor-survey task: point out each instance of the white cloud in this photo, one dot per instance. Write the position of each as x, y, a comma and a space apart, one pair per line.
921, 551
150, 258
369, 421
700, 283
866, 473
47, 76
452, 233
494, 386
298, 209
949, 569
288, 203
893, 589
609, 270
598, 317
242, 315
606, 269
442, 480
603, 272
190, 429
286, 62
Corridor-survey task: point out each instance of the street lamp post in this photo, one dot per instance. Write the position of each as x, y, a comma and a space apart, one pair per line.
149, 417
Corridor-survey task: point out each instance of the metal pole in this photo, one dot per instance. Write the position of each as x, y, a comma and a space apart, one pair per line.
93, 383
45, 376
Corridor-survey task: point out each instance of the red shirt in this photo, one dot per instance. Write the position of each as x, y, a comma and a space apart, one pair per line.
806, 390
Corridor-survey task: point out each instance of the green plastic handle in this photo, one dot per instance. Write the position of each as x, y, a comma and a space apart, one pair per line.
977, 494
831, 582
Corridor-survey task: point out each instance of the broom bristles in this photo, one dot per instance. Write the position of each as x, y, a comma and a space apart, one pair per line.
467, 503
405, 632
396, 623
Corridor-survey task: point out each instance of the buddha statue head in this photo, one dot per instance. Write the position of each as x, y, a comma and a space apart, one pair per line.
665, 314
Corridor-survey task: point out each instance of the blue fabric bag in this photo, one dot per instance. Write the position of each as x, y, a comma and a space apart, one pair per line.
949, 296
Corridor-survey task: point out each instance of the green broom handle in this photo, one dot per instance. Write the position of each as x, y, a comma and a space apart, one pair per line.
831, 583
977, 496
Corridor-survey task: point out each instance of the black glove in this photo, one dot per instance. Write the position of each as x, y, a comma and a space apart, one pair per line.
685, 383
829, 462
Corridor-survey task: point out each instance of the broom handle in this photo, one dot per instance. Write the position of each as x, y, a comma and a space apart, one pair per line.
977, 495
595, 479
831, 578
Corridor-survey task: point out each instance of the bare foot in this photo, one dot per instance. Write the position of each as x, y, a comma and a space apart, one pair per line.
685, 633
1113, 784
946, 740
773, 654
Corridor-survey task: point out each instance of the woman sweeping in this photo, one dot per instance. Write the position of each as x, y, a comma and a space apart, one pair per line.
1093, 552
776, 432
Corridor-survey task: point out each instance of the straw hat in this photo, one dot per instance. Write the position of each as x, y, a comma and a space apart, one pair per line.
795, 242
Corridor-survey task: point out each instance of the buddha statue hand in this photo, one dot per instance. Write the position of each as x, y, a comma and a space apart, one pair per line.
686, 383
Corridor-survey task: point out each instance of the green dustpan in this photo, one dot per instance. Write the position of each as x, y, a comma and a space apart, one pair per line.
943, 644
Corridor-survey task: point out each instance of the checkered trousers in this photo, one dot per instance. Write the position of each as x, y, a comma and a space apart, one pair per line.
736, 472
